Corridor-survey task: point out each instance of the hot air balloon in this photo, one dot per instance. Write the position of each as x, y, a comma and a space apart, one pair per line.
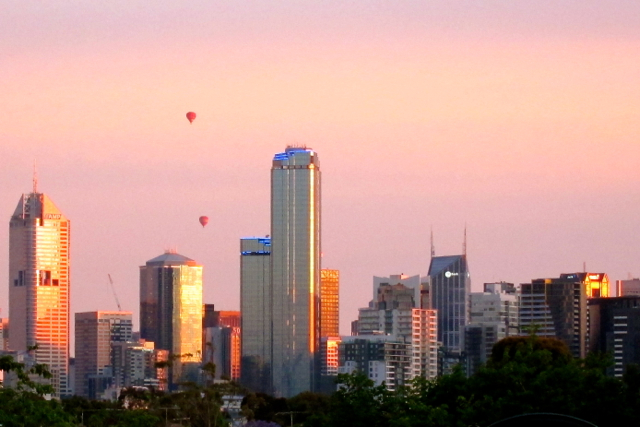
191, 116
204, 220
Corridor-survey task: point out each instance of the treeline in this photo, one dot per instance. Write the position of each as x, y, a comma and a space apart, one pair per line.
524, 375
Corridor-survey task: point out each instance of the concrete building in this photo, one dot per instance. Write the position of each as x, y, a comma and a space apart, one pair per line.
383, 358
39, 235
95, 331
295, 271
171, 312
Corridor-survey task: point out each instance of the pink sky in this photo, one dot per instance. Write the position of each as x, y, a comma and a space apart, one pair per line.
520, 119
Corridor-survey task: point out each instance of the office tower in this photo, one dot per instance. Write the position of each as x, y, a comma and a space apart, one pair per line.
255, 309
95, 332
630, 287
493, 316
557, 307
450, 287
329, 303
171, 312
39, 285
295, 270
614, 328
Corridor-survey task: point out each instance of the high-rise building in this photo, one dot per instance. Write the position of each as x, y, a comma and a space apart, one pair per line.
494, 316
222, 334
557, 307
450, 287
395, 313
95, 332
329, 303
614, 328
171, 312
255, 309
295, 270
39, 285
626, 288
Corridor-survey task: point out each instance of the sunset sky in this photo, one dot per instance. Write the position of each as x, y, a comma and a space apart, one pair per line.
519, 119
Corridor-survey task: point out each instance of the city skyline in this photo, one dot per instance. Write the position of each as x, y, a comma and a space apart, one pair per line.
519, 120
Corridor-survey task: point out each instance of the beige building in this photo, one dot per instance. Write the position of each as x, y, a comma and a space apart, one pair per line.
39, 285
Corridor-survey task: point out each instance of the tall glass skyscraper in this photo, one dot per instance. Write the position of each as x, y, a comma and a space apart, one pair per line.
450, 287
295, 270
39, 285
171, 312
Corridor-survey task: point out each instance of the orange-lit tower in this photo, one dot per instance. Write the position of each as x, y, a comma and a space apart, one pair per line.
329, 303
39, 284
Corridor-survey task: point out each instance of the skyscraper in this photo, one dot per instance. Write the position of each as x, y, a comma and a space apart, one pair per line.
95, 332
39, 284
450, 287
558, 307
171, 312
329, 303
255, 309
295, 270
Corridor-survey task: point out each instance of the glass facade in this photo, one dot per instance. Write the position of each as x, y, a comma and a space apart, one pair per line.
39, 285
171, 312
329, 303
295, 270
255, 306
450, 287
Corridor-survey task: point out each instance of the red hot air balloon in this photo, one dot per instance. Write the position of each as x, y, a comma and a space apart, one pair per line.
204, 220
191, 116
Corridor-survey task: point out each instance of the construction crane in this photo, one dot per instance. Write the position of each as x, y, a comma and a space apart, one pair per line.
113, 289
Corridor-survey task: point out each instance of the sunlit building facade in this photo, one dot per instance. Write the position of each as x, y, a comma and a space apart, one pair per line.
171, 312
95, 332
295, 270
39, 285
255, 309
329, 302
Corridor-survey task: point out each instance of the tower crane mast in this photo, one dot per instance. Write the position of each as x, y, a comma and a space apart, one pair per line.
113, 289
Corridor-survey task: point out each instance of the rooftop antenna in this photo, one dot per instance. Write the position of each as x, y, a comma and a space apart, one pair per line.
35, 177
584, 266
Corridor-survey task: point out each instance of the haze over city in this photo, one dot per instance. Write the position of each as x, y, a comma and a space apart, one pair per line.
520, 121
